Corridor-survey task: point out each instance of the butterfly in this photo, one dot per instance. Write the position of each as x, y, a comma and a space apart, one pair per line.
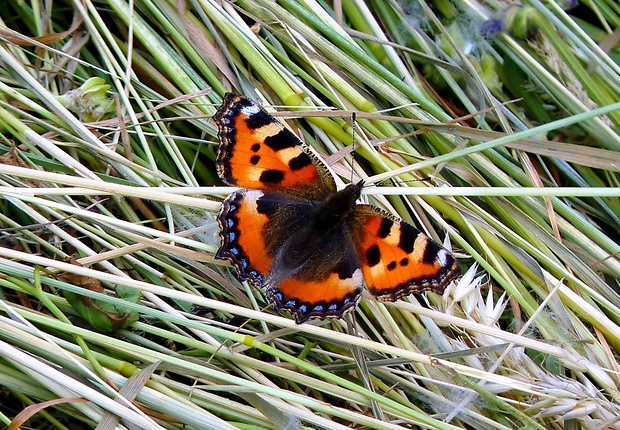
289, 230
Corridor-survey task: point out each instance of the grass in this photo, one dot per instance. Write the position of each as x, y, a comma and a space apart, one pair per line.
505, 145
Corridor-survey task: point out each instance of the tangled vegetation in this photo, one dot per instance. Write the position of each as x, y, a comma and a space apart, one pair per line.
492, 127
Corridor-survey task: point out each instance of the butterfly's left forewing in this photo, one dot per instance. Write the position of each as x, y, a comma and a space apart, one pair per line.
396, 258
257, 151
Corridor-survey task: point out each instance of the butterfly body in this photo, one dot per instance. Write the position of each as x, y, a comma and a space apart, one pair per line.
290, 230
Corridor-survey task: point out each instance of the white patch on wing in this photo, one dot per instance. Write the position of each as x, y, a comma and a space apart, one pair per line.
253, 174
260, 134
394, 237
442, 257
357, 278
249, 110
419, 247
377, 271
289, 153
251, 197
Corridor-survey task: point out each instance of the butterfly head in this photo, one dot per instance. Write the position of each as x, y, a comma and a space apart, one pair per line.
339, 205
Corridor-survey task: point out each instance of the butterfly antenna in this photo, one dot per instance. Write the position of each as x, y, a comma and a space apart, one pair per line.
353, 127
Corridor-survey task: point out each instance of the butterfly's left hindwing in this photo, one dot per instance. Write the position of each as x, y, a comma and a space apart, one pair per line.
271, 242
243, 244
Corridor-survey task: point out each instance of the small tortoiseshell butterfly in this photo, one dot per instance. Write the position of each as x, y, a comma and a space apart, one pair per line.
289, 230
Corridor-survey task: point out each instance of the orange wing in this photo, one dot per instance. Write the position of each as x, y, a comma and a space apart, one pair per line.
397, 259
257, 151
243, 244
329, 297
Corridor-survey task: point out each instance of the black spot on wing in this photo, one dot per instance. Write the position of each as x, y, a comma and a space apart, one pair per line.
255, 147
408, 235
271, 176
267, 207
347, 266
404, 262
259, 119
391, 265
430, 252
373, 255
254, 159
299, 162
282, 140
385, 228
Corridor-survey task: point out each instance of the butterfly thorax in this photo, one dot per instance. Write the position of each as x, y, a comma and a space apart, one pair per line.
337, 207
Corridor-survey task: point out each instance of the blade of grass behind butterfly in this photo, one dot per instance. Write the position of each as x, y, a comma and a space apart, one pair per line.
127, 348
575, 30
540, 75
472, 79
342, 47
557, 155
333, 53
169, 63
187, 35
